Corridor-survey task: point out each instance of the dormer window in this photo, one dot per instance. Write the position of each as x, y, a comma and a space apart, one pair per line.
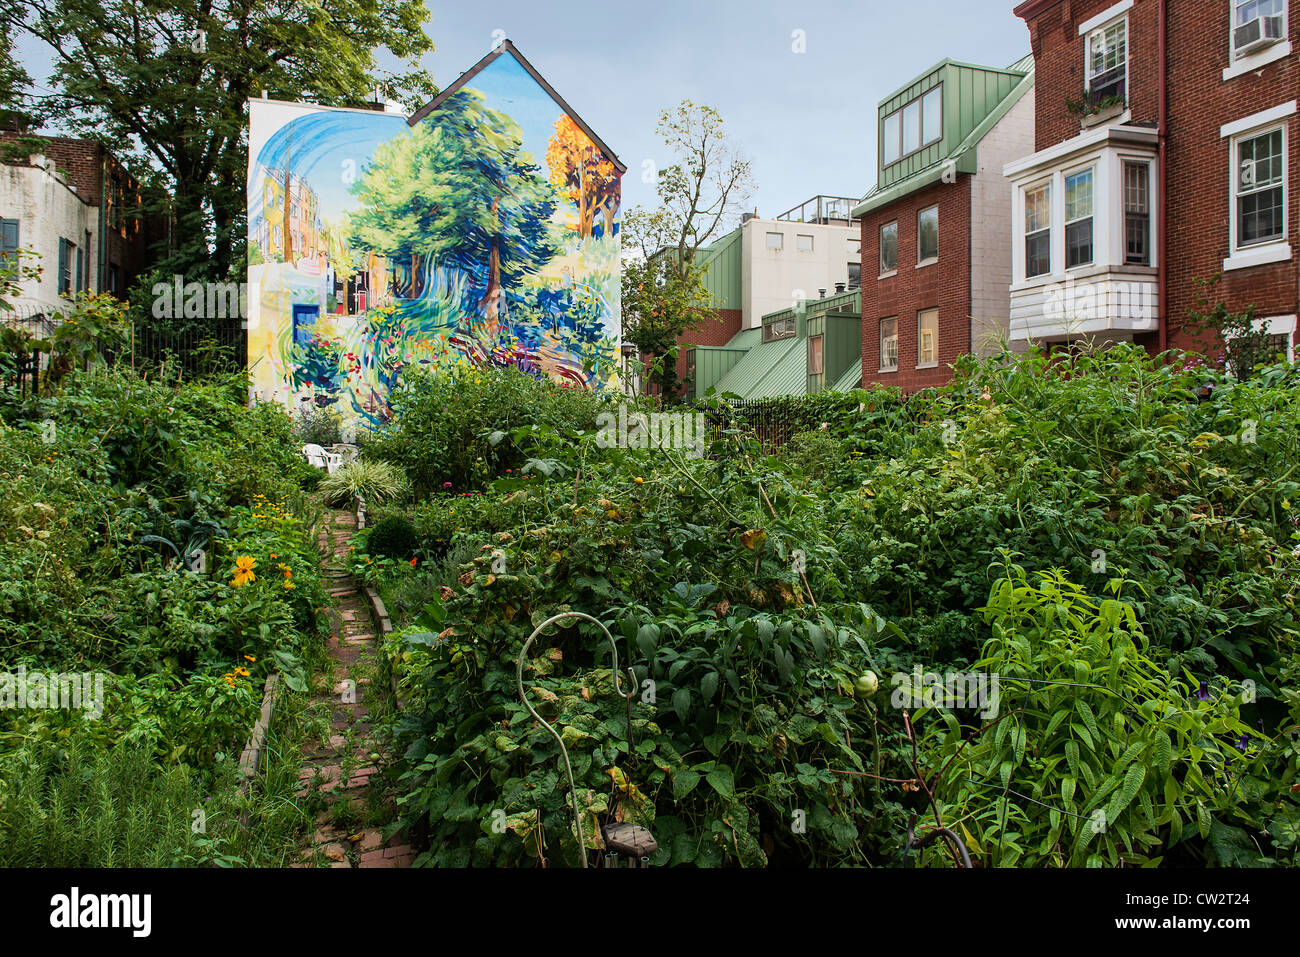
917, 125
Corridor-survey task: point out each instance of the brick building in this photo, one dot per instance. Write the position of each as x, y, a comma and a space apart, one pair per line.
79, 208
1165, 153
935, 229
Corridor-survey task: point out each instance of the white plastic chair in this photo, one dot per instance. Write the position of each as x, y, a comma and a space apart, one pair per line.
317, 456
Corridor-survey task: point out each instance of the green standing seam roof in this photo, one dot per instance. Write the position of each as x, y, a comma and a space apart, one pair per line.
768, 369
963, 154
852, 378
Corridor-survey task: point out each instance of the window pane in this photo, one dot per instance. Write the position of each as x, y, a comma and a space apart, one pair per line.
889, 343
1137, 214
927, 234
932, 115
804, 243
775, 240
891, 137
927, 336
1109, 50
855, 275
1248, 10
1078, 195
911, 127
1038, 208
1261, 216
1136, 188
1261, 161
889, 247
1038, 253
1078, 243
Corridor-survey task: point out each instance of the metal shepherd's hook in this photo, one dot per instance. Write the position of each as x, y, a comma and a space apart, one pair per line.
519, 682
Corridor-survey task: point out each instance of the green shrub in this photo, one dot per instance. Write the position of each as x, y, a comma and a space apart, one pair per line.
316, 426
392, 537
440, 426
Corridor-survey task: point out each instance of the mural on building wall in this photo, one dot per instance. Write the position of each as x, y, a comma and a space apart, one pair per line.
485, 233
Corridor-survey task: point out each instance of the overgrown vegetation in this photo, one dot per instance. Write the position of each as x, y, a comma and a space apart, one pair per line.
155, 539
1114, 551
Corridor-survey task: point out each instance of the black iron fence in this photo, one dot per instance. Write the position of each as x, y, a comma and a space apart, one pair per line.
777, 419
192, 351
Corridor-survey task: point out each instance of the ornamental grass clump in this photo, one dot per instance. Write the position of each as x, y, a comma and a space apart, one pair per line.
375, 482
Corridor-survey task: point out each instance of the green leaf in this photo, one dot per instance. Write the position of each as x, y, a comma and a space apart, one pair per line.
684, 783
720, 778
709, 686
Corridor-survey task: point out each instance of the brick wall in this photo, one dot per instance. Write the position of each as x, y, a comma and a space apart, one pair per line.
130, 244
944, 285
1200, 101
708, 334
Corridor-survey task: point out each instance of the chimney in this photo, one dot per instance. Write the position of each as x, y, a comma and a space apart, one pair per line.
840, 286
822, 293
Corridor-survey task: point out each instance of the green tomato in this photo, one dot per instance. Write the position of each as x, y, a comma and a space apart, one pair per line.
866, 683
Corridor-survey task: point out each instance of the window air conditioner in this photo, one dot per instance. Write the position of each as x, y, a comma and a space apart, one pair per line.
1258, 33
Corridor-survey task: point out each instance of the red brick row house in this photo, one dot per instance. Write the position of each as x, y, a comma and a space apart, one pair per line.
1165, 152
936, 228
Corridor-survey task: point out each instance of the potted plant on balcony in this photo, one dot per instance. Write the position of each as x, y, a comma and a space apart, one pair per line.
1093, 110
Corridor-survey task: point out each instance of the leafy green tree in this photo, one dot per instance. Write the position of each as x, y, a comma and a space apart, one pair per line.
174, 77
700, 198
460, 192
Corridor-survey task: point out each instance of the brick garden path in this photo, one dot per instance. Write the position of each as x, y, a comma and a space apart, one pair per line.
341, 770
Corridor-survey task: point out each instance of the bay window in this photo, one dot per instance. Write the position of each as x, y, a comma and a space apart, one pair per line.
1038, 230
1137, 213
1078, 219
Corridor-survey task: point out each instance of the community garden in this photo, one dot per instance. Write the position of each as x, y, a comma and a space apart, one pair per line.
1044, 614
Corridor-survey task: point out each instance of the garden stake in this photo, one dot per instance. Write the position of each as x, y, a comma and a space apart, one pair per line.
568, 767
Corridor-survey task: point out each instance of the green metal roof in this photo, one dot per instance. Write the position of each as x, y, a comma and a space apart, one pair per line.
975, 99
769, 368
852, 378
722, 262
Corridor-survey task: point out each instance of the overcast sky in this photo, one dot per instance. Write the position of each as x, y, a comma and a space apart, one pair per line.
804, 119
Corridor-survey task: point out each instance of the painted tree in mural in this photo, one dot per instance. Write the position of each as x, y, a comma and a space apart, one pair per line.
584, 175
459, 193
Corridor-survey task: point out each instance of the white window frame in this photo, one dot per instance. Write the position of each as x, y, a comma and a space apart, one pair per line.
1066, 222
1148, 165
930, 260
880, 334
1239, 65
779, 246
798, 242
1099, 28
1025, 190
921, 362
1259, 124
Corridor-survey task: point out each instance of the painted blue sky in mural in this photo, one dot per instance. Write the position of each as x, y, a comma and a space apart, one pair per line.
321, 145
326, 148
